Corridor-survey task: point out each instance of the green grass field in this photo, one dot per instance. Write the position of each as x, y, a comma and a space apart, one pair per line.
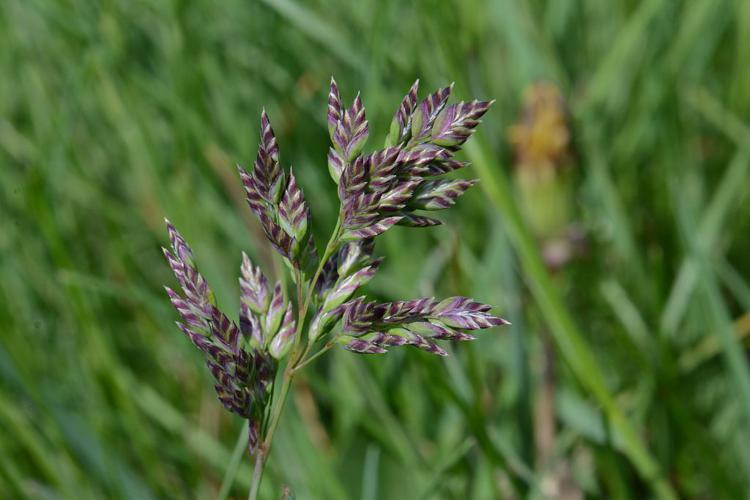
625, 373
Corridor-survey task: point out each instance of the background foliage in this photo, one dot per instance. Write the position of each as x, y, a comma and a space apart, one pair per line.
624, 373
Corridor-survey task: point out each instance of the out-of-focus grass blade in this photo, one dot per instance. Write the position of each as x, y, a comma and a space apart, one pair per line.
497, 449
308, 21
630, 317
309, 470
740, 84
730, 345
14, 424
440, 471
370, 473
608, 85
11, 481
231, 472
580, 416
730, 188
734, 282
614, 214
700, 29
390, 429
199, 442
710, 346
571, 343
700, 252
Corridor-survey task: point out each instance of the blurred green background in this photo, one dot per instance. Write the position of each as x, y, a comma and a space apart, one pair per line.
625, 372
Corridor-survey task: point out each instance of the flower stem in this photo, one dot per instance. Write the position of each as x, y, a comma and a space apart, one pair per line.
332, 246
311, 358
277, 406
265, 447
257, 474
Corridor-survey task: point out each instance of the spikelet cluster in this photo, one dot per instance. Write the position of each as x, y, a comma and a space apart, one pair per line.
395, 185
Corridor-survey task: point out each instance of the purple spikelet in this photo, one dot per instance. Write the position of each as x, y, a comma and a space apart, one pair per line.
372, 230
421, 155
402, 118
443, 167
266, 171
411, 220
335, 164
354, 255
427, 112
351, 130
214, 334
254, 289
357, 316
275, 312
383, 169
346, 286
466, 314
418, 322
397, 198
354, 179
253, 192
277, 201
457, 122
363, 346
282, 341
439, 194
334, 108
384, 188
263, 188
293, 211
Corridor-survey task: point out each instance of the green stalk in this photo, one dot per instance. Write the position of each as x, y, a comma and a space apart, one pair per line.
260, 459
261, 454
331, 247
277, 406
568, 338
309, 359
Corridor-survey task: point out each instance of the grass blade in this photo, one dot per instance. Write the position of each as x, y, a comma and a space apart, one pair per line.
569, 340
